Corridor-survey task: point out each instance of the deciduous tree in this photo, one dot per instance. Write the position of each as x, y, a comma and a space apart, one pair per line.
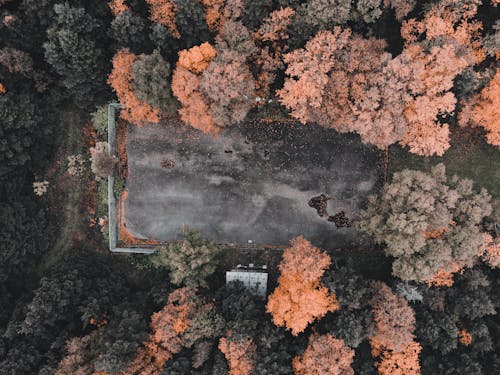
151, 82
102, 163
117, 7
346, 82
74, 51
18, 128
484, 110
163, 12
324, 355
300, 298
429, 222
393, 340
129, 30
190, 260
186, 81
239, 353
133, 109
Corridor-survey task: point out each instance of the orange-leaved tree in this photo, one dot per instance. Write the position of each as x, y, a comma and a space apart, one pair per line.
491, 251
393, 341
214, 13
166, 339
484, 110
437, 48
344, 81
120, 79
239, 353
272, 37
300, 298
324, 355
163, 12
429, 73
448, 22
186, 81
117, 6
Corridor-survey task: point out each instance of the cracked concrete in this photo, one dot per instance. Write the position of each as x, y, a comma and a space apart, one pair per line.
252, 182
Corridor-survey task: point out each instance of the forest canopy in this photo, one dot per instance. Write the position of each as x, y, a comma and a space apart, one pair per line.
416, 291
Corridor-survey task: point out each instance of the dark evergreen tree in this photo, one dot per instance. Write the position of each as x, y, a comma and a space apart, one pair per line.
190, 21
74, 49
151, 80
19, 121
130, 31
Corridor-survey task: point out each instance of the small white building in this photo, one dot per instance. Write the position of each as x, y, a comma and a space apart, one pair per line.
253, 278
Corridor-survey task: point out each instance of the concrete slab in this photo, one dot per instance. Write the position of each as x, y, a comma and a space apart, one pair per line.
252, 182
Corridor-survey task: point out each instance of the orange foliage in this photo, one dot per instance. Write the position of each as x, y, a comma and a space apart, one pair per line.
324, 355
300, 298
491, 253
464, 337
167, 326
214, 13
428, 234
484, 110
393, 340
186, 81
117, 7
401, 362
133, 109
172, 321
449, 22
125, 236
269, 58
143, 363
430, 74
437, 233
163, 12
239, 354
121, 147
444, 276
197, 58
349, 83
437, 49
2, 89
274, 27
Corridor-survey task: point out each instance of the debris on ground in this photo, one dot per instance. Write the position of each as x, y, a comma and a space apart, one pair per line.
340, 220
168, 164
319, 203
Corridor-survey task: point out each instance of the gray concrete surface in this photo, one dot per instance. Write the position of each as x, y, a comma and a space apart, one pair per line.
252, 182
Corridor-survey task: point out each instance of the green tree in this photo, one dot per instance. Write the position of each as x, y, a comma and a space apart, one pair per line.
130, 31
24, 237
74, 51
437, 330
190, 21
353, 322
429, 222
190, 261
99, 119
151, 81
19, 121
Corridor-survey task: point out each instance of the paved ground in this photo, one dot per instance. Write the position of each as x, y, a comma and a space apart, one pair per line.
252, 182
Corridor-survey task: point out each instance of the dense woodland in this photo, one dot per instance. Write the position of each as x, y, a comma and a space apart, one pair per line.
405, 73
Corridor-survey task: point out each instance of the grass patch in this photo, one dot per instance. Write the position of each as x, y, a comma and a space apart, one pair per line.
270, 111
469, 156
118, 187
102, 197
65, 199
